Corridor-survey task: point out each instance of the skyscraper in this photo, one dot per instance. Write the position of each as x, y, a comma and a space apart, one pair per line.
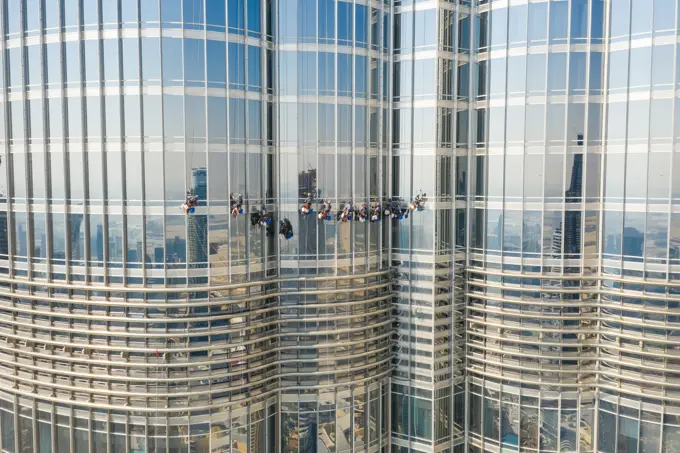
530, 307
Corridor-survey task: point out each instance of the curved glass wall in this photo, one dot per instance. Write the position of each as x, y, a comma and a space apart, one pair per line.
534, 214
125, 324
571, 279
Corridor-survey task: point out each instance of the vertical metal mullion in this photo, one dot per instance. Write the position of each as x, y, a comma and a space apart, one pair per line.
262, 44
319, 254
352, 116
123, 144
246, 142
603, 128
36, 426
674, 114
163, 151
228, 144
28, 200
187, 155
585, 145
46, 173
82, 91
469, 199
546, 147
102, 140
6, 147
565, 148
390, 126
336, 116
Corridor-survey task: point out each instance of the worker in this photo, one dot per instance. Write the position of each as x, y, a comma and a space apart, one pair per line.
285, 229
307, 205
346, 213
418, 202
260, 218
236, 204
325, 209
363, 213
376, 213
189, 205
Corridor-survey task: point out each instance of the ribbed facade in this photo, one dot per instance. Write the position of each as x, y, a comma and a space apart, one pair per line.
572, 259
128, 326
530, 307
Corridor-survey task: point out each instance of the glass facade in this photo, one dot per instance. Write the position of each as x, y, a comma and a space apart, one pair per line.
572, 272
531, 307
128, 326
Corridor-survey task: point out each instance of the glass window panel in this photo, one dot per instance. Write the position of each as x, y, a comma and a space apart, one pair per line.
557, 72
620, 18
559, 21
636, 172
193, 11
614, 171
37, 177
153, 178
327, 21
217, 63
634, 234
616, 121
659, 176
425, 28
618, 69
554, 166
72, 49
130, 60
254, 17
662, 66
131, 117
173, 116
195, 118
640, 66
194, 60
661, 124
151, 58
577, 72
531, 232
171, 11
34, 63
94, 121
114, 172
638, 120
538, 22
152, 116
499, 26
552, 247
517, 74
656, 243
254, 125
236, 66
650, 434
535, 122
172, 60
154, 252
555, 123
215, 12
236, 15
237, 133
344, 21
254, 71
536, 71
36, 119
641, 17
